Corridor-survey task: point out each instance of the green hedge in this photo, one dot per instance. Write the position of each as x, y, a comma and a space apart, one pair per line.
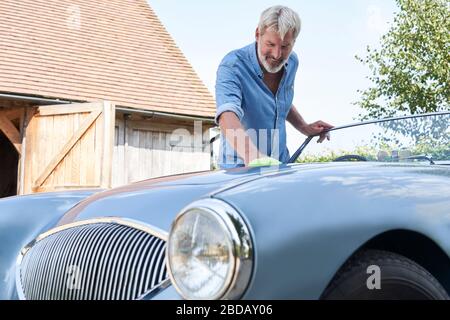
384, 153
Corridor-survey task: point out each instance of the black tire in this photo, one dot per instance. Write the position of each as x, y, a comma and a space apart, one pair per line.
401, 279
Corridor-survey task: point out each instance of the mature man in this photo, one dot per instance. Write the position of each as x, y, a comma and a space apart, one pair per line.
254, 93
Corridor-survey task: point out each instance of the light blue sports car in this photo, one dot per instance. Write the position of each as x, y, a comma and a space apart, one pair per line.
364, 216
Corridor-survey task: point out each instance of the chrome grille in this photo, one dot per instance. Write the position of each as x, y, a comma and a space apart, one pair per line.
102, 260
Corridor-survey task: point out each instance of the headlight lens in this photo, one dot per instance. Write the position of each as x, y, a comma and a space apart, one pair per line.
209, 249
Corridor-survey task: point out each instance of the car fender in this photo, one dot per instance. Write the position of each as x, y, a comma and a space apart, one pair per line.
306, 224
21, 220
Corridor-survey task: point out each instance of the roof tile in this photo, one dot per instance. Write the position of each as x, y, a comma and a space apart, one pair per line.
87, 50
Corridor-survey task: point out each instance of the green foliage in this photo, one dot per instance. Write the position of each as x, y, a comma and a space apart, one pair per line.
437, 152
369, 153
411, 70
386, 152
433, 127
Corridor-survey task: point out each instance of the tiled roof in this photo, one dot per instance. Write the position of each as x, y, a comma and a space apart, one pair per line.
88, 50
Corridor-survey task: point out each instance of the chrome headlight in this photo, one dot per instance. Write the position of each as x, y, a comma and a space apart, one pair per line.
209, 251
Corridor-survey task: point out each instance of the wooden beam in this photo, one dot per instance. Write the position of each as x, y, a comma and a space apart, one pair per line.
108, 141
67, 147
21, 169
60, 109
11, 133
6, 104
29, 141
11, 114
152, 126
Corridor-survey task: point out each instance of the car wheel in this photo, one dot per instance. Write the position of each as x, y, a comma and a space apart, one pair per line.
399, 279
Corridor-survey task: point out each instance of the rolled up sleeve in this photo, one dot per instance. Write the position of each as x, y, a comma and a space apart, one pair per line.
228, 93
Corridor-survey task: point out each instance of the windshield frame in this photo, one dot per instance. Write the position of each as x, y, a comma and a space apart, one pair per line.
302, 147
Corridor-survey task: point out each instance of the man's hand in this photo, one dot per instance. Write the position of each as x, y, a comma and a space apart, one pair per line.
311, 129
316, 128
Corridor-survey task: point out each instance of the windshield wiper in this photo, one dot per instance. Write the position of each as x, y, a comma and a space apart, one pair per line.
420, 157
300, 150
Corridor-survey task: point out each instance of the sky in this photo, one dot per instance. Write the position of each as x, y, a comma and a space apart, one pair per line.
332, 33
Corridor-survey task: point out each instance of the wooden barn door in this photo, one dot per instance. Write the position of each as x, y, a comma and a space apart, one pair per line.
69, 147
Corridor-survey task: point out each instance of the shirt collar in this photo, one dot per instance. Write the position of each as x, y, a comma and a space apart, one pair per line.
255, 62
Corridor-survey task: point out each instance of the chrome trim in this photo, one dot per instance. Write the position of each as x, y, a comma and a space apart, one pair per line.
106, 270
154, 291
136, 225
19, 288
153, 248
123, 221
411, 116
241, 250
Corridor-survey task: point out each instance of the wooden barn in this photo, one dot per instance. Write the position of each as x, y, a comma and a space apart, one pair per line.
95, 94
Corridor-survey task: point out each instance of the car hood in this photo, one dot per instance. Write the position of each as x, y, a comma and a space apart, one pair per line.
157, 201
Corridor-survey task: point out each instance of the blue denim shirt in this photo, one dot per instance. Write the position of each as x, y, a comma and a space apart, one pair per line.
240, 88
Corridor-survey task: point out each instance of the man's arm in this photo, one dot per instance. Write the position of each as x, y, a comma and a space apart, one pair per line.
314, 128
235, 134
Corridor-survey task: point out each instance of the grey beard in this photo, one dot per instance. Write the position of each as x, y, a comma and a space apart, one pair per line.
267, 66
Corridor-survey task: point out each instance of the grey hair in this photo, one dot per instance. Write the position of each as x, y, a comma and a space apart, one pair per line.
281, 20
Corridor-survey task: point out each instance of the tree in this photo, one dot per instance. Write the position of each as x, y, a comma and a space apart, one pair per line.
411, 70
